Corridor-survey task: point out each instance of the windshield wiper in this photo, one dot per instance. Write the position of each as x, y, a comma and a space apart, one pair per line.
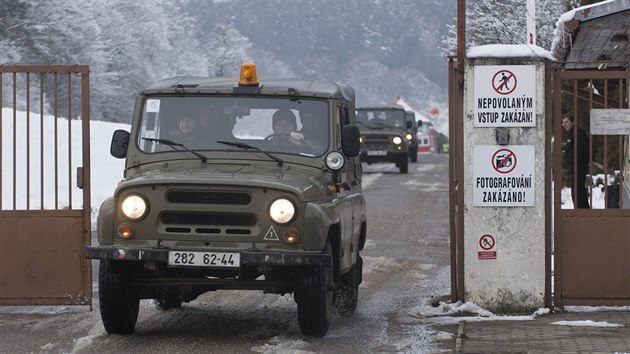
249, 147
173, 145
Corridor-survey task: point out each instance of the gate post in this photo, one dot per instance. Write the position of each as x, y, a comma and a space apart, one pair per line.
504, 178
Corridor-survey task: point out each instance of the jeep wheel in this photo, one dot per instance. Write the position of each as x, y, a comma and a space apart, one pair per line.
168, 301
315, 300
403, 165
118, 300
413, 155
347, 290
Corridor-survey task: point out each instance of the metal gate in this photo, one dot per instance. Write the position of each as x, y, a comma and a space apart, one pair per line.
45, 185
591, 237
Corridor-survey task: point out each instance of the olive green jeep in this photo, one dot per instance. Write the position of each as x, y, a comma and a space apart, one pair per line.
412, 135
219, 194
384, 133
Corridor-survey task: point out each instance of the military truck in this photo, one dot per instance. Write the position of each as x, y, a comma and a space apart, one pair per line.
412, 135
213, 198
383, 136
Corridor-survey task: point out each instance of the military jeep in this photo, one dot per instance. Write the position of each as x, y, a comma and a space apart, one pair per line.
383, 136
229, 203
412, 135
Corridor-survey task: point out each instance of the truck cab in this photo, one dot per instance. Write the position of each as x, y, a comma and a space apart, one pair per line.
217, 196
384, 133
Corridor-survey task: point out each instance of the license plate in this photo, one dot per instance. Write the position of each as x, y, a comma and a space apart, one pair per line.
204, 259
377, 153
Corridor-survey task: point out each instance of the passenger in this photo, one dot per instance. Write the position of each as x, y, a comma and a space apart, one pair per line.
185, 132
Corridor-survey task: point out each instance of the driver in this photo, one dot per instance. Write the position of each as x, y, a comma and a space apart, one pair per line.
285, 124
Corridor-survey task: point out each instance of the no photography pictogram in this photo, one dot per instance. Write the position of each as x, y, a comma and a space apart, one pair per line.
504, 161
504, 82
486, 242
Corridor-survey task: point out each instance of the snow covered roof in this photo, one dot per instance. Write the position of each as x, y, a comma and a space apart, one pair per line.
587, 35
401, 101
507, 51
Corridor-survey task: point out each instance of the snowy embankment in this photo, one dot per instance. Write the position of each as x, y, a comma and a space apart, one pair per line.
28, 186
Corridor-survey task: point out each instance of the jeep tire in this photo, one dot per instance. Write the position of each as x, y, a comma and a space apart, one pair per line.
413, 154
403, 165
118, 299
347, 290
315, 299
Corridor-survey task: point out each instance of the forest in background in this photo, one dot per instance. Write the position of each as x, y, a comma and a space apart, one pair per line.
383, 48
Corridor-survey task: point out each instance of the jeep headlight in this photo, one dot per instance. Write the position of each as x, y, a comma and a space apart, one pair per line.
334, 161
282, 211
397, 140
409, 136
134, 207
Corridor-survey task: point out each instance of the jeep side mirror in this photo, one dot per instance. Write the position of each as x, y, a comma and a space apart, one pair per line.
351, 145
120, 142
419, 123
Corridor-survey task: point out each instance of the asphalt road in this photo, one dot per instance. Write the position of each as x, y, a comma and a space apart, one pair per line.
406, 265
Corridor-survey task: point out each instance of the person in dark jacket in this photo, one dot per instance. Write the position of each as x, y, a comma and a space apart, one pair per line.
577, 160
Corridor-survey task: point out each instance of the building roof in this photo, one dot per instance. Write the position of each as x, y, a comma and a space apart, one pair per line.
591, 35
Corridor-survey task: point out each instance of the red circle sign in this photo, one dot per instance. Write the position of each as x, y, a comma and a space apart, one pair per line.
504, 161
504, 82
486, 242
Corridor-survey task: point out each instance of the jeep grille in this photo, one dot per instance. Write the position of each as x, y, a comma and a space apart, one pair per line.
208, 197
381, 142
217, 219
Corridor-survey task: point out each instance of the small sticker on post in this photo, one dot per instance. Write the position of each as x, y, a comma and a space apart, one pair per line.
153, 106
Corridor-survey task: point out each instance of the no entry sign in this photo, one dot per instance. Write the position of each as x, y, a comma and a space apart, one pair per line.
505, 96
503, 175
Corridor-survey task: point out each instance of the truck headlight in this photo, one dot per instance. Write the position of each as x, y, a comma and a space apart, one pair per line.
134, 207
397, 140
409, 136
282, 211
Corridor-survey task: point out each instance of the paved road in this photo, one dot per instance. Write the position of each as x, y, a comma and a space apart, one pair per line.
406, 266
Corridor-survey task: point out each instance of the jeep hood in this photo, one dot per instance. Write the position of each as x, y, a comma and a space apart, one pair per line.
307, 182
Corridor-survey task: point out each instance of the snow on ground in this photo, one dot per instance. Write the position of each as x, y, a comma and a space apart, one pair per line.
447, 313
586, 323
106, 171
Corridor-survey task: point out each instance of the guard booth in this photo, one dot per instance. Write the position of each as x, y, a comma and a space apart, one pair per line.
586, 250
45, 185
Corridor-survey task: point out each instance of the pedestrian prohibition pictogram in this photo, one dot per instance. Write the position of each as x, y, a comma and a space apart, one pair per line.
503, 161
486, 242
504, 82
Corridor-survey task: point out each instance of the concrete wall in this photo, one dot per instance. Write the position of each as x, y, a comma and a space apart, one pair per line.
514, 282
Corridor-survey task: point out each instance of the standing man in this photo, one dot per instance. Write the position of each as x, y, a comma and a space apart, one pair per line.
576, 158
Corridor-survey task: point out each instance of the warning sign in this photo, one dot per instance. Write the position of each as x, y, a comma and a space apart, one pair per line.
505, 96
487, 243
503, 175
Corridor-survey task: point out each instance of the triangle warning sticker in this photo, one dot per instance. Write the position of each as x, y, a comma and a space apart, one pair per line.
271, 235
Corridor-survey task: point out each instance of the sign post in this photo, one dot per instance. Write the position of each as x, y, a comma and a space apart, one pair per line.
505, 96
503, 181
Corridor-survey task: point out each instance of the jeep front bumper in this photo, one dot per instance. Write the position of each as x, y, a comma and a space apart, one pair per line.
388, 156
247, 257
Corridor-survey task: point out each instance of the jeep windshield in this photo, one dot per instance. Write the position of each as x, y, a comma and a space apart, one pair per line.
376, 119
213, 123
